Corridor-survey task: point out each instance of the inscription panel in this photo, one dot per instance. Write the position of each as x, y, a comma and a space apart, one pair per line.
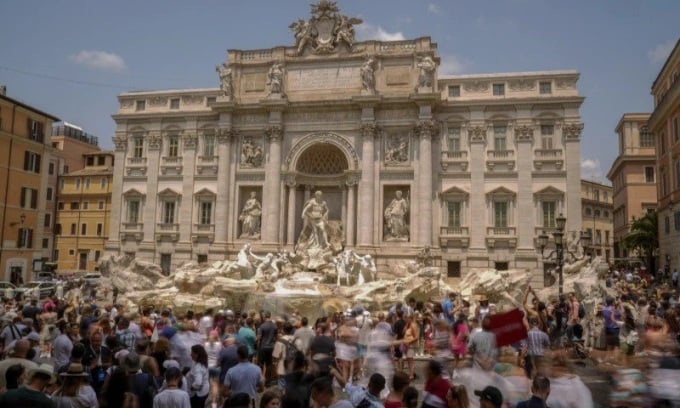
397, 75
254, 82
302, 79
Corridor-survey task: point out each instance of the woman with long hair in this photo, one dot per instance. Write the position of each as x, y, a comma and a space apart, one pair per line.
457, 397
270, 399
198, 378
117, 393
75, 391
161, 352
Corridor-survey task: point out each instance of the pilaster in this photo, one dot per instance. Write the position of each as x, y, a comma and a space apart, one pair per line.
120, 142
478, 223
425, 130
367, 191
272, 190
186, 218
524, 136
224, 138
572, 141
153, 153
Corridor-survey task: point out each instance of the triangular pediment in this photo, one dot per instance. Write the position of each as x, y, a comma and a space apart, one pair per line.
168, 192
549, 191
501, 191
133, 192
205, 192
455, 192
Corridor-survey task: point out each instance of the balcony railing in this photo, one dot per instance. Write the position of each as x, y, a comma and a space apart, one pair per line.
548, 153
133, 226
172, 159
501, 154
501, 231
138, 161
207, 159
447, 230
204, 228
454, 155
167, 227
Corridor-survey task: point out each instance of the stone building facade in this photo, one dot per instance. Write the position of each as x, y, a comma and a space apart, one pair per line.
597, 203
472, 166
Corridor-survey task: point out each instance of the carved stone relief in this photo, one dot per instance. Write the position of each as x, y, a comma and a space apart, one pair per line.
158, 101
572, 131
477, 134
252, 155
565, 84
522, 85
524, 133
326, 31
397, 149
476, 86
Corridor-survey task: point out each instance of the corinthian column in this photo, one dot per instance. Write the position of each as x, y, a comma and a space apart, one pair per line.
292, 217
572, 143
272, 184
224, 138
367, 186
186, 219
425, 130
117, 217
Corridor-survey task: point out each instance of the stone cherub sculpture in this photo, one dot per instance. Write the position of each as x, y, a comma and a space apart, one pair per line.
368, 75
224, 73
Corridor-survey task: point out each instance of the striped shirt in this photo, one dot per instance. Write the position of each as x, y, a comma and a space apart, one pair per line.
537, 341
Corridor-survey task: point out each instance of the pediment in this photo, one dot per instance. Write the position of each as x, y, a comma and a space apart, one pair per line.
501, 192
168, 192
204, 192
455, 193
549, 191
133, 192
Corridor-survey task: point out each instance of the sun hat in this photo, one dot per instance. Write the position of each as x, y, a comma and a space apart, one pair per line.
74, 370
44, 369
132, 363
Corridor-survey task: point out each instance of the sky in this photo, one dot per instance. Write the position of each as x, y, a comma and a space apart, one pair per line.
72, 58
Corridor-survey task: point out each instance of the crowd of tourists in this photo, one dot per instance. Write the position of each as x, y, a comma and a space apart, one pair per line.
80, 352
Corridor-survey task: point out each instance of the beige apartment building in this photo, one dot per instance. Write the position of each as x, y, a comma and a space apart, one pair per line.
633, 176
597, 203
27, 166
83, 213
476, 165
665, 125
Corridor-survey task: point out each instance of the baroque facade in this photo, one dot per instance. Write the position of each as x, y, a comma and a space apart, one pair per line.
472, 166
597, 204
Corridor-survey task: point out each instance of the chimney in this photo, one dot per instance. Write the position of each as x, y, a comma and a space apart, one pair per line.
3, 90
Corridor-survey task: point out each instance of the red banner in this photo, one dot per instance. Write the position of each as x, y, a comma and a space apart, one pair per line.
508, 327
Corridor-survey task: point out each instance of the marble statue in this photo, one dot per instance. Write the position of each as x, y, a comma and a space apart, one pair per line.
250, 217
251, 154
224, 73
397, 151
367, 270
303, 34
275, 79
427, 67
242, 265
344, 32
315, 217
325, 31
266, 267
396, 227
368, 75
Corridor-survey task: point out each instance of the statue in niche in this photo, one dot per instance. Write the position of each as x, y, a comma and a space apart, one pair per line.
368, 74
397, 150
427, 67
315, 216
224, 73
396, 228
251, 154
275, 79
250, 217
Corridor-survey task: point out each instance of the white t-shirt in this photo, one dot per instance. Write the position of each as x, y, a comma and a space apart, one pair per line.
173, 398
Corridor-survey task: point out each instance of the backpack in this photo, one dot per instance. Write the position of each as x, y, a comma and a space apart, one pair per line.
289, 351
581, 311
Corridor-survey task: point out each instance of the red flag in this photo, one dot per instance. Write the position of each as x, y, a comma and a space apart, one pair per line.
508, 327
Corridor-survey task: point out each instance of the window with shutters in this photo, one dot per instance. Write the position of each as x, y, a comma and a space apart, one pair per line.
57, 229
499, 138
31, 162
100, 229
101, 160
77, 183
48, 195
46, 243
48, 220
101, 205
90, 160
208, 145
50, 169
36, 130
549, 213
86, 205
73, 229
87, 183
75, 205
453, 139
500, 214
83, 229
25, 238
646, 138
173, 146
29, 198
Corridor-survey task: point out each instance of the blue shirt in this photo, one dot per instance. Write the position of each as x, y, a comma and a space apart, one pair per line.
358, 394
243, 377
447, 307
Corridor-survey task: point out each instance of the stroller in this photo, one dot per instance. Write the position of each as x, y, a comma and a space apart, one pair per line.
575, 344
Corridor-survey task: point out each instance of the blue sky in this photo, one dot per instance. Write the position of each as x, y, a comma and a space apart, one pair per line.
71, 58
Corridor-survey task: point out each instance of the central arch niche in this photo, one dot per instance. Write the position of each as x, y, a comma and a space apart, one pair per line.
322, 160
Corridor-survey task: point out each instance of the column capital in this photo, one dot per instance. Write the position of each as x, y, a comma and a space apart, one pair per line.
524, 133
477, 134
120, 142
189, 140
370, 129
224, 135
426, 128
572, 131
290, 181
154, 140
353, 180
273, 133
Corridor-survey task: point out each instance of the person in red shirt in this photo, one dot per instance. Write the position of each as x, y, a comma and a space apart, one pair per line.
436, 386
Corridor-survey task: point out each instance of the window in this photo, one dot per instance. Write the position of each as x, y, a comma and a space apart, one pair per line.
61, 183
45, 243
205, 217
501, 266
500, 214
56, 254
168, 212
545, 88
649, 174
664, 184
548, 214
57, 229
101, 205
547, 132
97, 254
498, 89
87, 183
174, 103
100, 229
75, 205
596, 195
86, 205
50, 169
101, 160
676, 220
60, 206
48, 196
598, 237
606, 196
166, 262
102, 182
173, 146
454, 91
137, 147
83, 229
662, 142
597, 213
65, 169
140, 106
667, 225
36, 130
71, 252
606, 237
454, 212
133, 211
29, 198
25, 238
606, 214
48, 220
31, 162
453, 269
202, 258
676, 131
646, 138
453, 139
589, 212
499, 138
208, 145
77, 183
211, 99
90, 160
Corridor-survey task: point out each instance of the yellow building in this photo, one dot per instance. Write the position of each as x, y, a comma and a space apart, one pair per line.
83, 212
597, 203
26, 167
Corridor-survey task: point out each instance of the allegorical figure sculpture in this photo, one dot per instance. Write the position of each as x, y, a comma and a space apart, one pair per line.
250, 217
315, 217
251, 154
224, 73
303, 34
275, 79
397, 151
427, 67
396, 227
368, 75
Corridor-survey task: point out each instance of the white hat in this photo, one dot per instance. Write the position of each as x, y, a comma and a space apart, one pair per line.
170, 363
43, 369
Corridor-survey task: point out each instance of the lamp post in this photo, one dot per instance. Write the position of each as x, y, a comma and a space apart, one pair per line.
558, 252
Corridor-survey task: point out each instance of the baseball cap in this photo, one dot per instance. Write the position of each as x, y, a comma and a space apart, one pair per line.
491, 394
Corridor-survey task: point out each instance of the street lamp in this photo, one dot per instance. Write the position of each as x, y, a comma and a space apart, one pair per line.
558, 253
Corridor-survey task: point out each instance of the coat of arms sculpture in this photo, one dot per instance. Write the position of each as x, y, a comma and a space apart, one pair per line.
326, 31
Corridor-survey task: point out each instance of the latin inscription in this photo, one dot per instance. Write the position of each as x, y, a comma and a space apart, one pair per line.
398, 75
323, 78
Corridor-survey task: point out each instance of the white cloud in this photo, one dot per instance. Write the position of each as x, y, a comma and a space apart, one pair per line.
452, 65
101, 60
432, 8
367, 31
591, 169
660, 52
